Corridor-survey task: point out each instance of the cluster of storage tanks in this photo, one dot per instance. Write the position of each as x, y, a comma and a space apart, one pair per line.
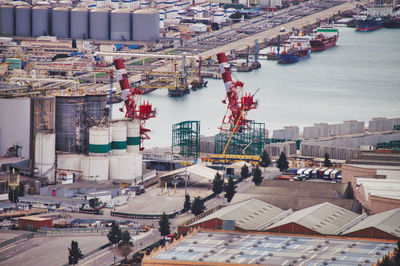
80, 23
113, 154
96, 151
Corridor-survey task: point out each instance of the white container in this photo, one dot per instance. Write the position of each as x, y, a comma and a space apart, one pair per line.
45, 154
94, 168
118, 138
126, 167
133, 139
99, 140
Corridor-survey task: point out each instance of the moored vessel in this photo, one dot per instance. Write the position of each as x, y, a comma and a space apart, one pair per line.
299, 49
324, 37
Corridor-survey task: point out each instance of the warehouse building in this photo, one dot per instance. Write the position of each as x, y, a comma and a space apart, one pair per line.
249, 215
225, 248
382, 225
275, 149
79, 189
325, 219
33, 223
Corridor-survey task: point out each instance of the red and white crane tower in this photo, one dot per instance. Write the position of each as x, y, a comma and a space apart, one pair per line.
239, 102
136, 109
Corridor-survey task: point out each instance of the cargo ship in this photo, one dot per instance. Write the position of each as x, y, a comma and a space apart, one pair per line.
299, 49
324, 37
368, 23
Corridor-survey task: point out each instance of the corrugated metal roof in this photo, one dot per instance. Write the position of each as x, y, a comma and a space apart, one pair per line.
196, 169
387, 188
248, 215
324, 218
244, 249
388, 222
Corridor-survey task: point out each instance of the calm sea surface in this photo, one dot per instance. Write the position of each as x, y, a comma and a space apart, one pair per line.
359, 79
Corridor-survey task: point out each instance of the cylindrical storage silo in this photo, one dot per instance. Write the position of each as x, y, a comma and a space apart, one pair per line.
118, 138
95, 168
133, 140
40, 21
99, 140
120, 25
45, 154
26, 189
60, 22
70, 135
79, 23
7, 20
99, 24
162, 19
23, 21
126, 167
95, 105
145, 24
38, 185
69, 162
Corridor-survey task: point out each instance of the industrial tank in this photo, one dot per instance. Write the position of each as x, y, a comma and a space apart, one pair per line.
45, 154
126, 167
133, 139
60, 22
7, 20
95, 105
145, 24
70, 112
79, 23
99, 24
118, 138
23, 21
99, 140
71, 162
40, 21
95, 168
120, 25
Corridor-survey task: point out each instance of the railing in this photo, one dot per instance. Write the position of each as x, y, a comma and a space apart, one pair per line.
14, 239
142, 216
80, 230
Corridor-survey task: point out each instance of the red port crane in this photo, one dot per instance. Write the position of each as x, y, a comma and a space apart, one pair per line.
135, 108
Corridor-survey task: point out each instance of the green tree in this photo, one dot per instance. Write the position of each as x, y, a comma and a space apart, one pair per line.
396, 256
230, 190
94, 203
386, 261
218, 184
327, 162
244, 172
74, 43
126, 239
282, 162
164, 225
75, 253
265, 159
257, 176
198, 206
187, 205
115, 234
125, 250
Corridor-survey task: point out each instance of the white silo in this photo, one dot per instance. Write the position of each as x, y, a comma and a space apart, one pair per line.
79, 23
126, 167
162, 18
145, 25
40, 21
60, 22
133, 139
7, 20
23, 21
71, 162
99, 21
118, 138
45, 154
99, 140
95, 168
121, 25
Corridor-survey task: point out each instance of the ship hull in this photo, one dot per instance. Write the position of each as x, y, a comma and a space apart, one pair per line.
289, 58
322, 44
368, 25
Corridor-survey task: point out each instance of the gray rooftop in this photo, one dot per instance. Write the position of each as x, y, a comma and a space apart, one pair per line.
251, 214
325, 218
388, 222
268, 249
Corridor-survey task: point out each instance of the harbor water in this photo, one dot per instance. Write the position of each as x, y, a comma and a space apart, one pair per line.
356, 80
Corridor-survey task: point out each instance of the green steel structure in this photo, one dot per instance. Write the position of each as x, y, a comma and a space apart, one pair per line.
251, 140
186, 136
